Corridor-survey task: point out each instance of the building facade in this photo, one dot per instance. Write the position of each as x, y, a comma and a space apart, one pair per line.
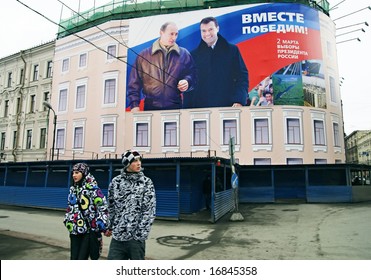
91, 70
358, 147
91, 61
25, 83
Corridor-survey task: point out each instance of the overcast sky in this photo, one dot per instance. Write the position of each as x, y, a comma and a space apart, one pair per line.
21, 28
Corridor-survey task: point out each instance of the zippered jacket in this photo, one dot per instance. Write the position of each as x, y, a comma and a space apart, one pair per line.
155, 77
87, 208
132, 206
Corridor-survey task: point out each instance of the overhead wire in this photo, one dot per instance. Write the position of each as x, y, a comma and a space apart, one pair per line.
121, 43
91, 43
96, 46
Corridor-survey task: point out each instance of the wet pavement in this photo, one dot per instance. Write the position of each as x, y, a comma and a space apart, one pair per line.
282, 231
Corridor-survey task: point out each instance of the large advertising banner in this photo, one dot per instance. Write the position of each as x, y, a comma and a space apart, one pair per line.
265, 54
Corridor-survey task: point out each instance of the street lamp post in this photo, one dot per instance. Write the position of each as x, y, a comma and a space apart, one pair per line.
47, 105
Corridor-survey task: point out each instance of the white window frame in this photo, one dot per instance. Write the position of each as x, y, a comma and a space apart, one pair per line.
261, 113
110, 58
293, 114
64, 86
110, 76
200, 116
320, 161
232, 114
318, 116
109, 119
167, 118
336, 119
79, 83
65, 63
262, 161
293, 161
61, 126
142, 118
76, 124
86, 60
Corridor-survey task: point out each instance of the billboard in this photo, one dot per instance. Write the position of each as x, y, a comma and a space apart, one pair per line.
265, 54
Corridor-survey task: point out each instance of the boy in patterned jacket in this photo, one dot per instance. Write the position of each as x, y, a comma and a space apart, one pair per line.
132, 209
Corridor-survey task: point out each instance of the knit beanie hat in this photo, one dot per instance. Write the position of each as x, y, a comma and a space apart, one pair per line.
81, 167
129, 156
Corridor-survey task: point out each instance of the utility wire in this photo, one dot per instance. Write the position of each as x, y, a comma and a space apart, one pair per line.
118, 41
91, 43
97, 47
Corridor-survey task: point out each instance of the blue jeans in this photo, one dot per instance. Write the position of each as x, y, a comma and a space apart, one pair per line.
126, 250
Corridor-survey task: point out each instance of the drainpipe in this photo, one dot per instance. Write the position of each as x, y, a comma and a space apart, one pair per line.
18, 116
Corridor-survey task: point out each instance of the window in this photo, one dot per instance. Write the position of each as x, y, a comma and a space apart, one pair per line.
199, 133
10, 77
111, 52
78, 138
49, 69
333, 90
18, 108
108, 135
21, 76
320, 161
62, 106
32, 104
82, 60
336, 134
2, 141
108, 124
15, 135
170, 134
109, 91
36, 72
42, 138
60, 138
80, 97
262, 161
6, 108
261, 131
109, 88
29, 139
45, 98
229, 130
293, 131
294, 161
65, 64
319, 133
200, 130
142, 134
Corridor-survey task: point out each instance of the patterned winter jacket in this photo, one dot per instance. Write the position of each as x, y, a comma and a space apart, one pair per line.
131, 206
92, 213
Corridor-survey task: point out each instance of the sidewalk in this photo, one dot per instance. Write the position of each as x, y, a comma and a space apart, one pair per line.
268, 232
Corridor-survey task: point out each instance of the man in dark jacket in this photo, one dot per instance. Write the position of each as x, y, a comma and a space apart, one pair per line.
222, 76
162, 73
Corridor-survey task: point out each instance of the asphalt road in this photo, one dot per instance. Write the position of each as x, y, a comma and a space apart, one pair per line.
268, 232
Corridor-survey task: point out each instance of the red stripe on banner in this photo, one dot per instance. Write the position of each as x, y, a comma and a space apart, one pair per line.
270, 52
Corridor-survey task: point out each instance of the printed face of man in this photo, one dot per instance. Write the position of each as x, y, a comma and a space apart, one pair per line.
169, 36
209, 33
